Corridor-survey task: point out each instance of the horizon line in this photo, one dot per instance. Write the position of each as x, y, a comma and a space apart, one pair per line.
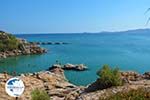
79, 32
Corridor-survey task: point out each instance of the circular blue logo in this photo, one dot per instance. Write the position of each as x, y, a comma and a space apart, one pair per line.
14, 87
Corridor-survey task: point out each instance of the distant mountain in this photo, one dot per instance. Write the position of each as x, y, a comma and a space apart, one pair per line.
131, 31
138, 31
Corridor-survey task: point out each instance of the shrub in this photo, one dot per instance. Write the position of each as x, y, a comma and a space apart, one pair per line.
39, 95
12, 44
8, 42
140, 94
1, 46
109, 77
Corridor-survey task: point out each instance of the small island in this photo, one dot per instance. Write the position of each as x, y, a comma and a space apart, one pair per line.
68, 66
12, 46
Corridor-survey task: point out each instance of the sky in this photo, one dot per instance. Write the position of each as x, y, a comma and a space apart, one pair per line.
72, 16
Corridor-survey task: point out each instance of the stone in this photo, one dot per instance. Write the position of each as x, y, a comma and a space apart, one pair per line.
22, 75
79, 67
69, 66
130, 76
57, 70
146, 75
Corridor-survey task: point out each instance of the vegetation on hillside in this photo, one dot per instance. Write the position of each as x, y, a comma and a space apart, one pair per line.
39, 95
109, 77
8, 42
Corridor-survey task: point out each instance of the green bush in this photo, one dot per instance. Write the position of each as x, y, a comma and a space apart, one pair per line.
11, 44
109, 77
140, 94
8, 43
1, 46
39, 95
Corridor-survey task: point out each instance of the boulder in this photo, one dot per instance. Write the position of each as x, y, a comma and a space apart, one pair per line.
79, 67
146, 75
131, 76
57, 69
69, 66
56, 66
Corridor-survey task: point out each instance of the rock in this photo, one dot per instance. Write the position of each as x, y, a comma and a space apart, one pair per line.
79, 67
24, 47
65, 43
131, 76
69, 66
57, 43
58, 88
57, 70
54, 83
104, 93
22, 75
49, 43
146, 75
56, 66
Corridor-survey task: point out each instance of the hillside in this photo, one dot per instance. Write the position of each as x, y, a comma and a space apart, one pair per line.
12, 46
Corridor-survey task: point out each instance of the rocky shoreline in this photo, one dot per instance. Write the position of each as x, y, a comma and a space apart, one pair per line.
132, 81
28, 50
17, 46
24, 47
55, 83
52, 81
57, 86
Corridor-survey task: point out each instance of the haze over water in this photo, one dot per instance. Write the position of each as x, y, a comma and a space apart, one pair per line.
126, 51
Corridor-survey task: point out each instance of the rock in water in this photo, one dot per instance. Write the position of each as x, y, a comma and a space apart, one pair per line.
69, 66
81, 67
78, 67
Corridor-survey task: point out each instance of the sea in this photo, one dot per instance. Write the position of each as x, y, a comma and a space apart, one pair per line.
127, 51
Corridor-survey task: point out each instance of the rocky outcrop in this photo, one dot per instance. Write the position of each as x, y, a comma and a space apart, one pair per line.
58, 88
16, 46
68, 66
146, 75
49, 43
131, 76
78, 67
53, 82
57, 70
105, 93
133, 81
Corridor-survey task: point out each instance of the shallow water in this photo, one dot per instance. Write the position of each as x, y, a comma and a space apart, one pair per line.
126, 51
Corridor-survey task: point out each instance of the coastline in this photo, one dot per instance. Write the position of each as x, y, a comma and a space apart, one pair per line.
12, 46
53, 82
88, 49
58, 87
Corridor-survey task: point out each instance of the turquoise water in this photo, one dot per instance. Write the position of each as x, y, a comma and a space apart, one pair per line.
127, 51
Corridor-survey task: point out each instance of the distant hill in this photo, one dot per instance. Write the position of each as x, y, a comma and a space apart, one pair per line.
137, 31
131, 31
